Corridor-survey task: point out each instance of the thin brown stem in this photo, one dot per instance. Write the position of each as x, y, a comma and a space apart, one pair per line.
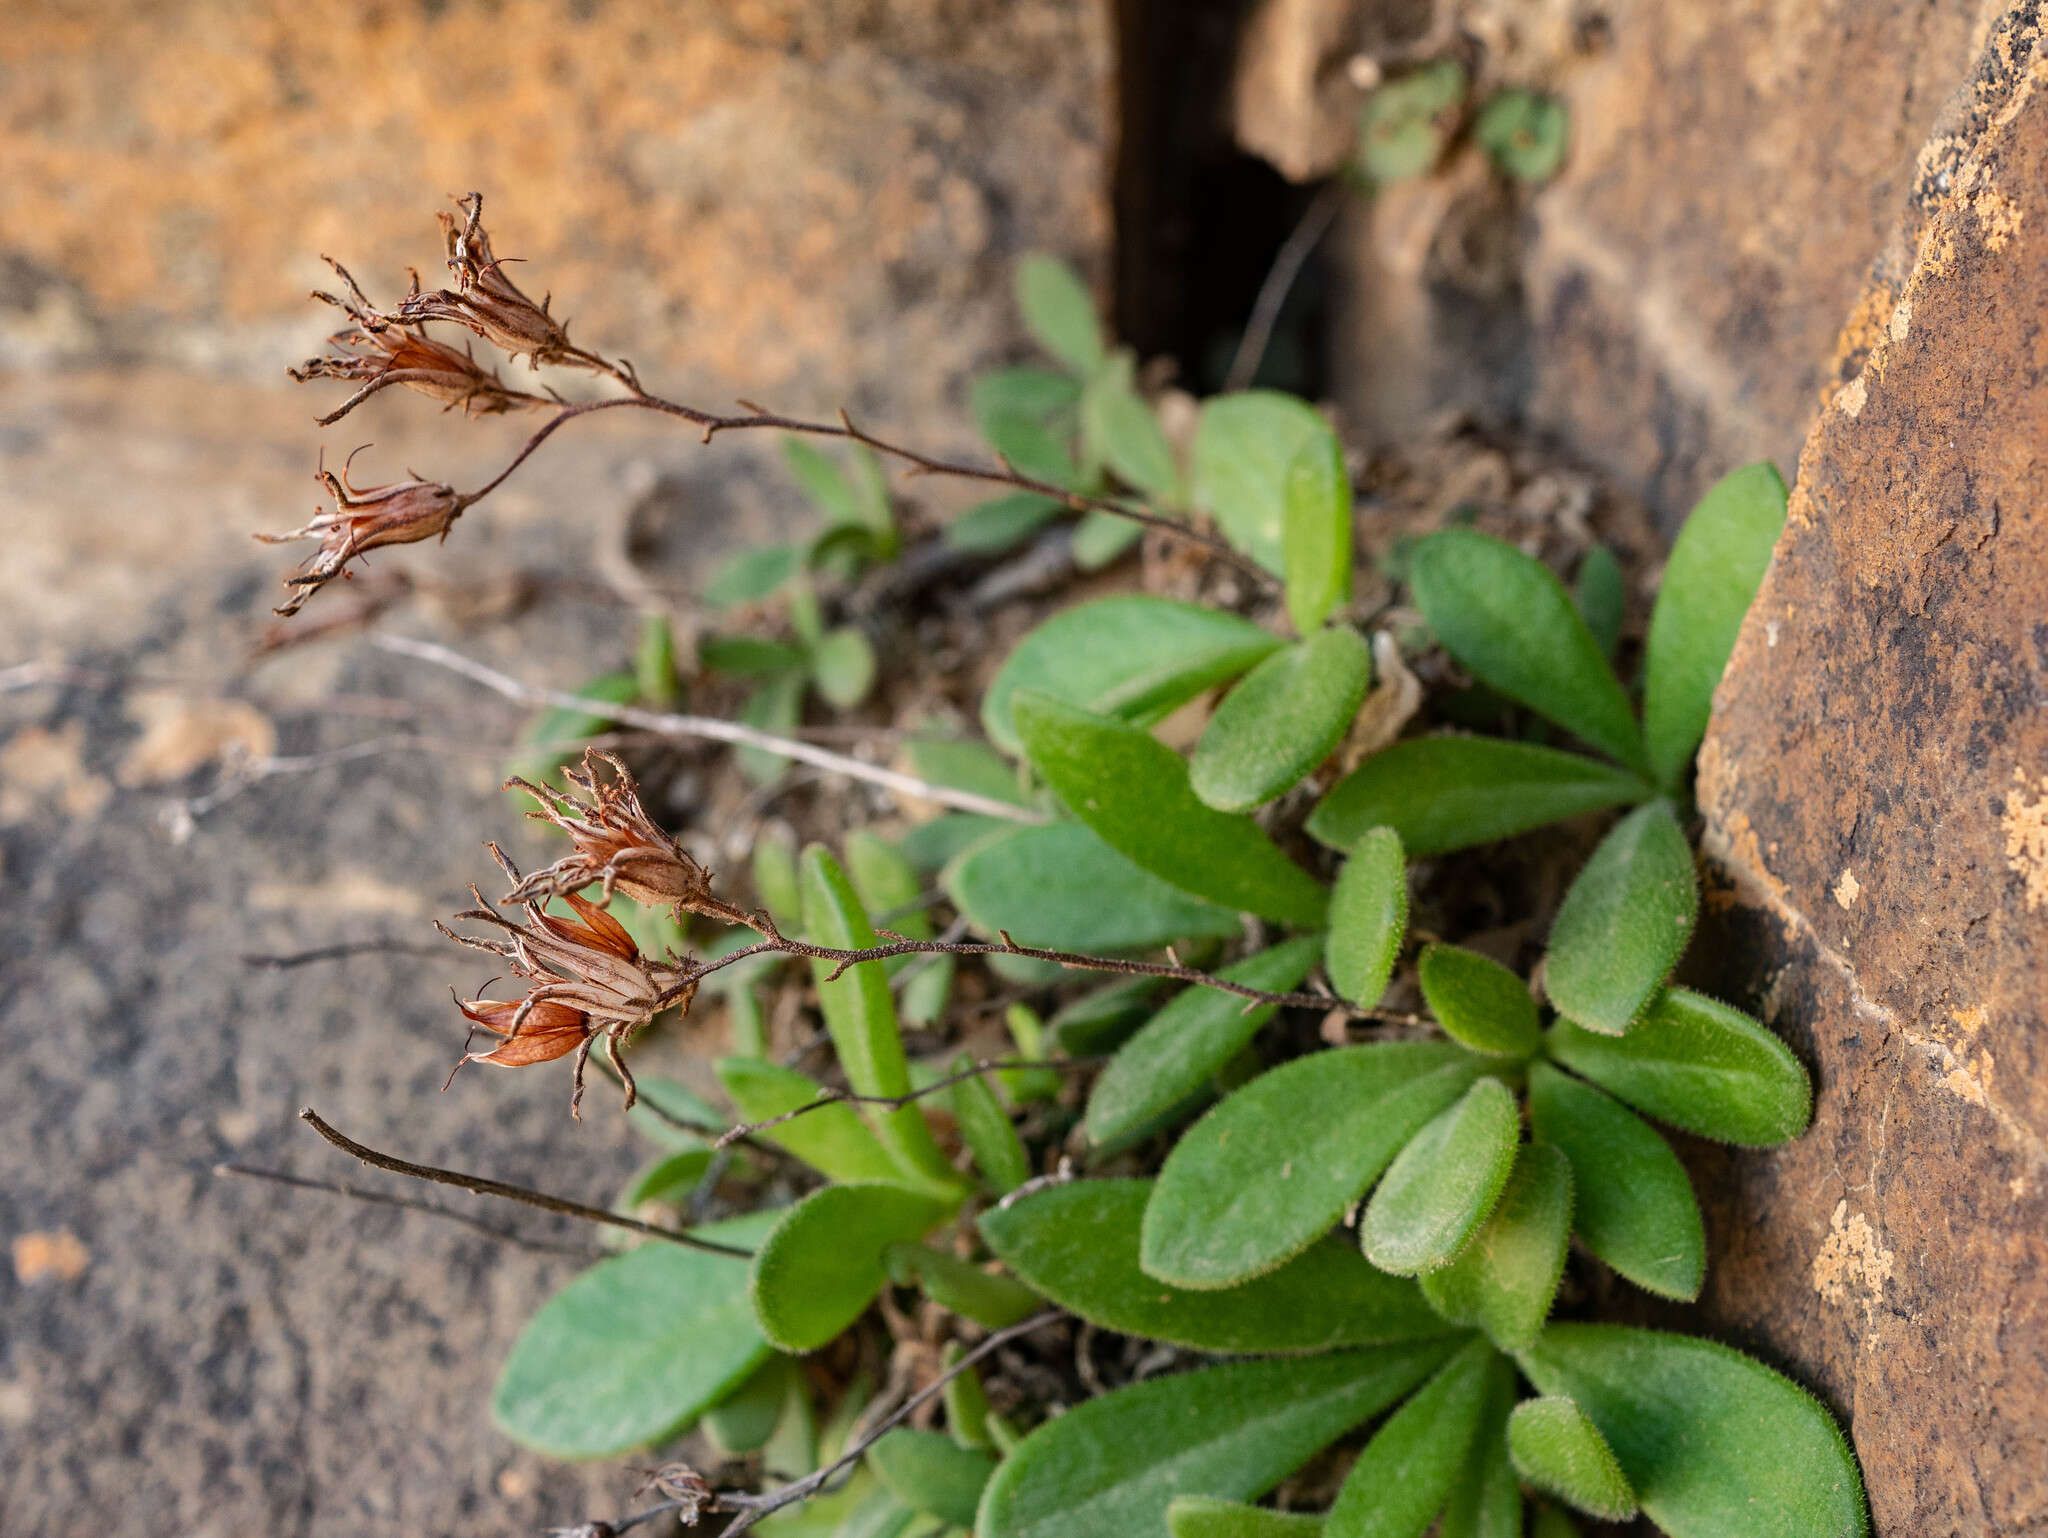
1258, 328
753, 1508
774, 940
287, 960
666, 724
526, 1194
829, 1096
541, 435
412, 1204
1000, 474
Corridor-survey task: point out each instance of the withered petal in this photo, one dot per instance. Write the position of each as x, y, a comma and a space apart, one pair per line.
530, 1047
605, 932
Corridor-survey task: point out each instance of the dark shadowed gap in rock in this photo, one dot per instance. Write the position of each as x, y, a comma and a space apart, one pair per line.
1198, 221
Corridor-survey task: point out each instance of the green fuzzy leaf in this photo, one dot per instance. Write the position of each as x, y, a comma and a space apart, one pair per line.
985, 1128
1404, 125
965, 1399
1113, 1464
1244, 446
996, 1302
1203, 1516
659, 1093
654, 662
806, 617
1274, 1167
1709, 583
1524, 133
753, 575
634, 1349
843, 666
1078, 1244
1698, 1065
1038, 393
776, 882
832, 1140
823, 482
1122, 432
861, 1015
931, 846
1512, 625
1632, 1205
1557, 1448
1440, 1187
1001, 523
858, 1509
1315, 532
1059, 886
1100, 537
1104, 1019
1406, 1473
746, 1023
1486, 1500
1717, 1445
746, 657
1625, 922
1028, 1032
1133, 791
825, 1261
1285, 717
1059, 313
1368, 917
842, 550
1601, 592
884, 881
928, 1473
969, 766
1131, 656
1479, 1002
667, 1178
872, 502
1190, 1040
744, 1420
1028, 445
1506, 1278
887, 883
1445, 793
778, 707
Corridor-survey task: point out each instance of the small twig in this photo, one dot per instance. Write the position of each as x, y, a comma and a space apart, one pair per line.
31, 675
752, 1508
413, 1204
774, 940
829, 1096
181, 816
1001, 474
950, 933
1287, 264
666, 724
289, 959
526, 1194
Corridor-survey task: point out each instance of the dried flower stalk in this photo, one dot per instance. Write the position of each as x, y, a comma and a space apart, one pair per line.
380, 350
489, 303
617, 845
401, 513
589, 982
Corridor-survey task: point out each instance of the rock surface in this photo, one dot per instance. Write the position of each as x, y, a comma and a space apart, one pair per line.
814, 203
1875, 786
1671, 305
220, 1356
